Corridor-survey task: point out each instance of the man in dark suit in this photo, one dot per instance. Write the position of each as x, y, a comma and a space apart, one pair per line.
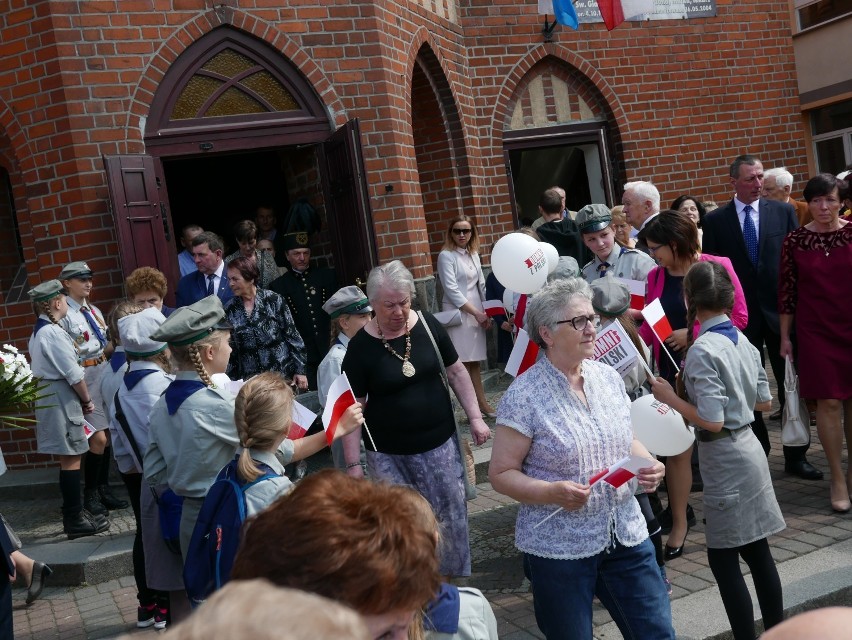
267, 228
749, 230
207, 250
306, 289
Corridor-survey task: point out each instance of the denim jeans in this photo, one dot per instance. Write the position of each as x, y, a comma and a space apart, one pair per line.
625, 579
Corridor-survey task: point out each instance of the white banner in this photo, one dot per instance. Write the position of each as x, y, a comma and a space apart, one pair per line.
614, 347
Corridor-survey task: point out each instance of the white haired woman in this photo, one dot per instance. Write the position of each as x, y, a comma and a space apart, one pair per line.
565, 419
409, 416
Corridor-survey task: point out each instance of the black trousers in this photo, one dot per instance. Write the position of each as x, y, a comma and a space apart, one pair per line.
759, 333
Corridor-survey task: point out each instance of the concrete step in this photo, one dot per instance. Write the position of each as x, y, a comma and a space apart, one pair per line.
90, 560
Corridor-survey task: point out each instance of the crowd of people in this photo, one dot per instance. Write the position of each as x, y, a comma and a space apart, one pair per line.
384, 533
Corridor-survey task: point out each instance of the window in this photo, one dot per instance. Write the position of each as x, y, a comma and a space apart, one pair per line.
831, 127
822, 11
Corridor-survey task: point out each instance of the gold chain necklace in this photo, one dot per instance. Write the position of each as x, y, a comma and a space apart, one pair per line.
831, 242
407, 367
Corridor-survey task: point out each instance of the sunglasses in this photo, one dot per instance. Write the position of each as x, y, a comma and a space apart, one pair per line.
579, 323
462, 232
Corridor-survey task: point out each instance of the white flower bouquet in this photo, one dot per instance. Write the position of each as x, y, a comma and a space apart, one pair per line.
19, 390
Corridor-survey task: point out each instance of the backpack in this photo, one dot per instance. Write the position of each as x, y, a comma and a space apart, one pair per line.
216, 536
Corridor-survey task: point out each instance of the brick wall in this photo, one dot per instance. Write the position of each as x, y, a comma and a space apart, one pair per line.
434, 91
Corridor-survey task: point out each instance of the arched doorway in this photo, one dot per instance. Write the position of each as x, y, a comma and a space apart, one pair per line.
234, 125
557, 132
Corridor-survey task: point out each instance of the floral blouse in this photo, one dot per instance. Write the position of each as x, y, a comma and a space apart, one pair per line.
572, 442
266, 340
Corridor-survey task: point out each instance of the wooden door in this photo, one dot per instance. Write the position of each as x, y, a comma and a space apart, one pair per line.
348, 204
140, 208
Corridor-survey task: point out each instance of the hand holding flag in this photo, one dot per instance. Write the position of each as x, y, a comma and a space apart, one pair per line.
341, 410
303, 418
493, 308
656, 319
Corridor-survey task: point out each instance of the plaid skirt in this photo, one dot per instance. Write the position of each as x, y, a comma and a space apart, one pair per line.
437, 475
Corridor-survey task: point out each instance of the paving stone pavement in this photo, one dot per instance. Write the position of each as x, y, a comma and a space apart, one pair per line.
107, 610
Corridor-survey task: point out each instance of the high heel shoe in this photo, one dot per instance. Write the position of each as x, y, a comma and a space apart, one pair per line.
41, 572
670, 553
840, 506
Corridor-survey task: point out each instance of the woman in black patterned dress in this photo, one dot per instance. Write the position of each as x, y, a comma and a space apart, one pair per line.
264, 337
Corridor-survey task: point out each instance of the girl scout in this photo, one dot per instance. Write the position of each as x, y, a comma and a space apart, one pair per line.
60, 425
611, 258
85, 324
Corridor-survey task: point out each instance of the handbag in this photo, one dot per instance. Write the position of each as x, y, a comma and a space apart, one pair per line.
462, 442
451, 318
795, 419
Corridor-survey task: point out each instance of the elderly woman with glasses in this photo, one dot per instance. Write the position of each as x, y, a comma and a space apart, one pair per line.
559, 424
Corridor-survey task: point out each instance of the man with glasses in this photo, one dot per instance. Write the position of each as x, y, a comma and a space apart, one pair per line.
750, 230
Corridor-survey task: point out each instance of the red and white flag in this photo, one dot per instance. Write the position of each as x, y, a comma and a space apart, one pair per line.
523, 355
637, 292
88, 429
656, 318
614, 12
303, 418
494, 308
621, 471
340, 398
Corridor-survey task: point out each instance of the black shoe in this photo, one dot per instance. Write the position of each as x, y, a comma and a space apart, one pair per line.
802, 469
109, 499
97, 519
92, 503
82, 524
41, 572
670, 553
665, 519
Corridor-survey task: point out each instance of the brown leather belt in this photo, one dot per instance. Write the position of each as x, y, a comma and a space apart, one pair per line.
93, 362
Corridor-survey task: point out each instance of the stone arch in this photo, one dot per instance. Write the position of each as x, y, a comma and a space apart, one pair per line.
223, 17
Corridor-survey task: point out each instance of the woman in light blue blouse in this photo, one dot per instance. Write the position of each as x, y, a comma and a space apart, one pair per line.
562, 421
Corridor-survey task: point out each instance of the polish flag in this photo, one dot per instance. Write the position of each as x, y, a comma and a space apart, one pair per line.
520, 311
494, 308
88, 429
622, 471
340, 398
637, 292
523, 355
614, 12
303, 418
656, 318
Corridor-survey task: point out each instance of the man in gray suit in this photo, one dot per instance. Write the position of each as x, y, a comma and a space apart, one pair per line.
749, 230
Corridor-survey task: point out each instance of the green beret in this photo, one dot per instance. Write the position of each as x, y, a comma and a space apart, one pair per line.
347, 300
45, 291
190, 324
593, 218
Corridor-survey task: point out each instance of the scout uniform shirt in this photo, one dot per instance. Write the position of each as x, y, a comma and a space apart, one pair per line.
89, 332
629, 264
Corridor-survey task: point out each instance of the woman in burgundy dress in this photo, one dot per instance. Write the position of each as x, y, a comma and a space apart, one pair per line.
814, 287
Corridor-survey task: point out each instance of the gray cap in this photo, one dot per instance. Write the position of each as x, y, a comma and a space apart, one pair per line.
45, 291
567, 267
135, 331
75, 270
610, 297
593, 218
190, 324
347, 300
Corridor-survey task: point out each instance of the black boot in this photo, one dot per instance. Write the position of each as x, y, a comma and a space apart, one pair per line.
109, 499
82, 524
92, 503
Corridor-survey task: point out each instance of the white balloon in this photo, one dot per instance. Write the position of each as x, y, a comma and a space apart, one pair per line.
552, 256
519, 263
659, 427
509, 301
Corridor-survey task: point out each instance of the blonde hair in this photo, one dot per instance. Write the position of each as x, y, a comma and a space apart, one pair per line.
336, 329
43, 307
258, 610
187, 357
472, 244
262, 412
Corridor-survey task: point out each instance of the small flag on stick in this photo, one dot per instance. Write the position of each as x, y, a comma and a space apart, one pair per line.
303, 418
656, 319
340, 398
637, 293
494, 308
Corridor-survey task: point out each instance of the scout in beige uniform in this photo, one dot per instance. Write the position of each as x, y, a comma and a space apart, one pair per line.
59, 429
85, 324
611, 258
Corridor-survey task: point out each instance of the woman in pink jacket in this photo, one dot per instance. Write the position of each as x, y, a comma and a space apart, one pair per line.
672, 240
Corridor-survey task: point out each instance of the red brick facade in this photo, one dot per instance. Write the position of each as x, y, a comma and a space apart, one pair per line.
434, 85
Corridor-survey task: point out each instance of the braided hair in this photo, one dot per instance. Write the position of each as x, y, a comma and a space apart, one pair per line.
263, 413
707, 286
188, 357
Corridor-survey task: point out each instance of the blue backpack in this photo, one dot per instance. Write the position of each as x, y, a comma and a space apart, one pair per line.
216, 536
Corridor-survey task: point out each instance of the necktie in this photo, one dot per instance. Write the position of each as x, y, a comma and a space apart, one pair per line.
94, 325
750, 234
602, 267
210, 289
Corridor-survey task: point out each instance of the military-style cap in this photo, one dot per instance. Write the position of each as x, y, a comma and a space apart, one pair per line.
593, 218
75, 270
610, 297
45, 291
347, 300
190, 324
297, 240
135, 331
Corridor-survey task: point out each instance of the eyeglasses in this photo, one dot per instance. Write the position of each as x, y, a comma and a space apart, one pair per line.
462, 232
652, 249
579, 323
